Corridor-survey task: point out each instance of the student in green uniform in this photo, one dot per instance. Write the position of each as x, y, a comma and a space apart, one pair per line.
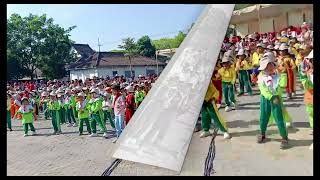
83, 110
54, 107
96, 113
107, 109
69, 110
270, 99
62, 111
26, 111
44, 102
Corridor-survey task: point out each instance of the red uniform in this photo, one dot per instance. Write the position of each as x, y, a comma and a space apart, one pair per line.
129, 107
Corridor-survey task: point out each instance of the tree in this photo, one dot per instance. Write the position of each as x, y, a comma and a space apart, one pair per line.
178, 39
130, 48
36, 42
145, 47
169, 43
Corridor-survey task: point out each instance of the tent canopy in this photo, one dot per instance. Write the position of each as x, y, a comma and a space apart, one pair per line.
263, 11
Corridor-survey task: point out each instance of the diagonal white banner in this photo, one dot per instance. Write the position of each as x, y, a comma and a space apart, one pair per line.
160, 131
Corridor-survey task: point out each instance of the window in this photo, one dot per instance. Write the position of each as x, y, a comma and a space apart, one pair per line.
150, 72
114, 73
127, 74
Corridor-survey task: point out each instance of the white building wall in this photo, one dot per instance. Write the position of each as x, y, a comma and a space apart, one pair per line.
103, 72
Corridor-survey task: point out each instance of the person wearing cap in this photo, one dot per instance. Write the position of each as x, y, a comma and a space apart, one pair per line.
119, 109
217, 82
270, 100
139, 95
256, 56
284, 38
73, 103
62, 111
27, 112
44, 103
241, 68
286, 66
32, 98
129, 104
54, 108
107, 109
307, 82
209, 112
69, 109
17, 105
8, 111
95, 109
228, 76
83, 113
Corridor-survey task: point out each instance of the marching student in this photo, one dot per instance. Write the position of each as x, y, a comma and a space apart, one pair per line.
69, 109
210, 112
44, 103
95, 110
129, 104
256, 56
139, 95
270, 99
9, 111
54, 108
83, 110
62, 111
307, 81
287, 66
119, 109
228, 76
27, 112
241, 68
107, 109
217, 82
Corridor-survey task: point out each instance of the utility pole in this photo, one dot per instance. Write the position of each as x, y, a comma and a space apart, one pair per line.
99, 44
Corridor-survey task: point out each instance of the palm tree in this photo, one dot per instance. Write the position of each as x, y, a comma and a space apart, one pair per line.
130, 50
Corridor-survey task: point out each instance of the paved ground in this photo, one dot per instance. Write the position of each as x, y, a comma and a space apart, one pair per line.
69, 154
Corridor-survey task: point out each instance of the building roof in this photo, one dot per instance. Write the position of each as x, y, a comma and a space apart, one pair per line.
105, 59
83, 49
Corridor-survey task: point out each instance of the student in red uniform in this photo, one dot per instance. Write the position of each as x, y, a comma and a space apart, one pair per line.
129, 104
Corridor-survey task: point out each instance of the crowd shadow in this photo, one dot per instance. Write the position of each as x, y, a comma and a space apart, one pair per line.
301, 124
242, 123
296, 143
257, 132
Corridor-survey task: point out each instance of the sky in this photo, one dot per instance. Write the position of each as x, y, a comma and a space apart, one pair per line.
111, 23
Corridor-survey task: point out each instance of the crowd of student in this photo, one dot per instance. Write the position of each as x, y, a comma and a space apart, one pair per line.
270, 61
94, 101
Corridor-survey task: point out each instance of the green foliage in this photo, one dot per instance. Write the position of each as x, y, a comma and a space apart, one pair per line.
145, 47
169, 43
36, 42
129, 46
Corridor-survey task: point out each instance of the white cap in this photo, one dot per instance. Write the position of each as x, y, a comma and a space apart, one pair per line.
283, 46
53, 94
129, 89
270, 47
94, 91
45, 94
266, 59
81, 94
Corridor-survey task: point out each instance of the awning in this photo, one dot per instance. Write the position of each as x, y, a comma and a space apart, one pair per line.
252, 13
166, 52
